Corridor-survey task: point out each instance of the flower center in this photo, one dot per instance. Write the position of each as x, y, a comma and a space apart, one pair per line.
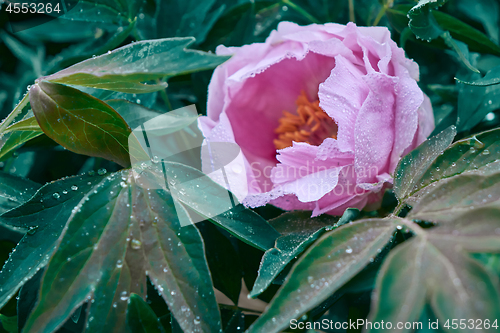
311, 124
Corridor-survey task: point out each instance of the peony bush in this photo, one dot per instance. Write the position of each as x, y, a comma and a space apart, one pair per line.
250, 166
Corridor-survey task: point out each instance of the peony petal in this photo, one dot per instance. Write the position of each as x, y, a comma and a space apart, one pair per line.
329, 149
290, 202
374, 128
341, 97
334, 47
346, 191
425, 120
408, 99
313, 186
260, 101
339, 206
222, 132
379, 34
364, 82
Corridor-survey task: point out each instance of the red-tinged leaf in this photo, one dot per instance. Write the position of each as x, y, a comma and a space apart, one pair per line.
129, 68
438, 272
80, 122
117, 235
329, 263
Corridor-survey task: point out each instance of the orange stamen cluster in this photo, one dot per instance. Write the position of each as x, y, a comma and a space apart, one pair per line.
311, 124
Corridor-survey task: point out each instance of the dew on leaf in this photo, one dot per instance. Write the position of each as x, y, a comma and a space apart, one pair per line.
136, 244
124, 296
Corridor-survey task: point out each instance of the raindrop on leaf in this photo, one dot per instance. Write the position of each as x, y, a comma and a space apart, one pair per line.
135, 244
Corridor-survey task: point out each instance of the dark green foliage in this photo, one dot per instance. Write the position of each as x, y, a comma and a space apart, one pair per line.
89, 247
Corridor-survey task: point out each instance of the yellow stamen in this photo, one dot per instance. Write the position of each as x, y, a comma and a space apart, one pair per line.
310, 124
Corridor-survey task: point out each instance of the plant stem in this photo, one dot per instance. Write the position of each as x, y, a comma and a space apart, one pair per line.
379, 15
415, 228
16, 112
382, 11
398, 209
301, 11
165, 98
352, 18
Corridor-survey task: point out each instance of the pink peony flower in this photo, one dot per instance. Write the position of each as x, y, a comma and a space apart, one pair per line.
322, 114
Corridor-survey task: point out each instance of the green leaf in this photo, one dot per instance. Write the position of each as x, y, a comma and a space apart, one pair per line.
60, 31
436, 271
492, 77
146, 100
80, 122
472, 196
31, 57
236, 27
490, 260
11, 141
185, 18
487, 12
8, 323
461, 49
44, 216
422, 22
27, 124
300, 230
223, 261
135, 115
15, 191
474, 103
125, 69
427, 24
117, 235
140, 317
239, 221
249, 22
118, 12
26, 301
481, 151
328, 264
108, 40
413, 166
18, 113
475, 39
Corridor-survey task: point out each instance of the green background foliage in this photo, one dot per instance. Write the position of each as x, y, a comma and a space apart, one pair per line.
87, 248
